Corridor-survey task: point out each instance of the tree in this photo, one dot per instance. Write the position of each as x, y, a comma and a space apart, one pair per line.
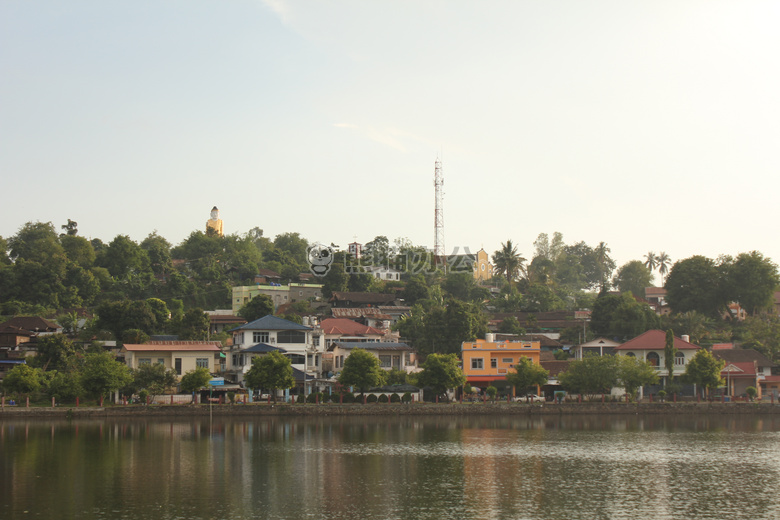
54, 352
633, 277
669, 355
194, 380
694, 284
103, 374
663, 261
36, 242
271, 372
154, 378
259, 306
78, 250
634, 373
620, 315
510, 325
440, 372
703, 370
361, 370
123, 257
416, 289
525, 374
508, 261
651, 261
752, 281
591, 375
377, 252
22, 380
194, 325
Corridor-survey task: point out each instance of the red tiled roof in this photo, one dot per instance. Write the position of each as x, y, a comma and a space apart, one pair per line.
32, 323
555, 367
739, 355
347, 328
654, 340
747, 369
175, 346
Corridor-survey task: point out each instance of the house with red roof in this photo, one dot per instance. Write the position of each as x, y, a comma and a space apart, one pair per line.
182, 356
649, 347
744, 368
344, 329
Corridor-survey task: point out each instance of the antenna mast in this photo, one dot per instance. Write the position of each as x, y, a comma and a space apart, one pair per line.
438, 221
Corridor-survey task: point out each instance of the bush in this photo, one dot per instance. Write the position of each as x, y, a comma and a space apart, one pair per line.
395, 398
371, 398
315, 397
491, 392
751, 392
301, 399
407, 398
143, 395
347, 397
232, 397
383, 398
661, 395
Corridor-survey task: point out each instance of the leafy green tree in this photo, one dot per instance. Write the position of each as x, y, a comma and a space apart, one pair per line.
22, 380
62, 385
103, 374
361, 370
396, 376
634, 373
525, 374
703, 370
760, 332
194, 380
335, 280
591, 375
123, 257
194, 325
55, 352
259, 306
463, 286
633, 277
154, 378
440, 372
158, 250
511, 325
751, 280
416, 289
620, 315
377, 251
541, 298
694, 284
78, 250
508, 261
294, 245
36, 242
271, 372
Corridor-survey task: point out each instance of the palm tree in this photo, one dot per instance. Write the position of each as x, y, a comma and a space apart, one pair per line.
605, 264
664, 262
508, 261
651, 261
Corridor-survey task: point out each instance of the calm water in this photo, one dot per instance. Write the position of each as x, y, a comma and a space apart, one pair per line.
391, 468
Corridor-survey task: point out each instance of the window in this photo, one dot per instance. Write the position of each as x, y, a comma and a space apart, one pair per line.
177, 365
238, 339
291, 336
493, 363
477, 364
679, 359
396, 361
144, 361
260, 337
160, 361
507, 360
297, 359
385, 361
202, 362
653, 359
316, 341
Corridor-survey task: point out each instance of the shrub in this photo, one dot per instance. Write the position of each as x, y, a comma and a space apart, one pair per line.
661, 395
300, 399
232, 397
751, 392
395, 398
383, 398
491, 392
371, 398
407, 398
143, 395
347, 397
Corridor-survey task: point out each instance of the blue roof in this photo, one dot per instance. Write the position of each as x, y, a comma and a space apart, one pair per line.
263, 348
14, 361
299, 375
271, 323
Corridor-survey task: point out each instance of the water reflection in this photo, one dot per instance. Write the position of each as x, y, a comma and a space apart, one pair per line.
394, 467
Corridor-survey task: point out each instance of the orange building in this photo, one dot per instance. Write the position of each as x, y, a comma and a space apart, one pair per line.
487, 361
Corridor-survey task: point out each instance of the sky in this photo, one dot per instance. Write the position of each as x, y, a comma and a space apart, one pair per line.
648, 125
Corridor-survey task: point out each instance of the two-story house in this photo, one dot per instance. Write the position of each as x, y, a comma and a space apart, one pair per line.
486, 362
303, 345
181, 356
391, 355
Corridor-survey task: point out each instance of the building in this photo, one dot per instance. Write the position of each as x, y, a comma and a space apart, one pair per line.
361, 299
279, 294
222, 320
399, 356
597, 347
181, 356
303, 345
344, 329
478, 264
744, 368
486, 362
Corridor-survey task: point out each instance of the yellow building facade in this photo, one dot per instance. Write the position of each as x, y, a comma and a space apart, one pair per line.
485, 362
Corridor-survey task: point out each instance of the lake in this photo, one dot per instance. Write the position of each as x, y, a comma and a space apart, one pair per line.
549, 467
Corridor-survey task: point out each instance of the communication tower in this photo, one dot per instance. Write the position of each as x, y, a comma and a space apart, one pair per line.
438, 220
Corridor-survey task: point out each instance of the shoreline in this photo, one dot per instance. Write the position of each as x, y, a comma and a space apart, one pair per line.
424, 409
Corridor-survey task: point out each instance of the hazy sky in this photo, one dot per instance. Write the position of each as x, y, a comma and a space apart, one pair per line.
647, 125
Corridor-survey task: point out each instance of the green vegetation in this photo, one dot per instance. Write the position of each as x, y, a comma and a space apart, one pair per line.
361, 370
271, 372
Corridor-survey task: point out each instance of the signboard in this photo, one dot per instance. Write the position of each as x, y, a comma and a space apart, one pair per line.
217, 381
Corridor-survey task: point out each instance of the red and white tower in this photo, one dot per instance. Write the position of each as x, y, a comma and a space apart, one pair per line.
438, 220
